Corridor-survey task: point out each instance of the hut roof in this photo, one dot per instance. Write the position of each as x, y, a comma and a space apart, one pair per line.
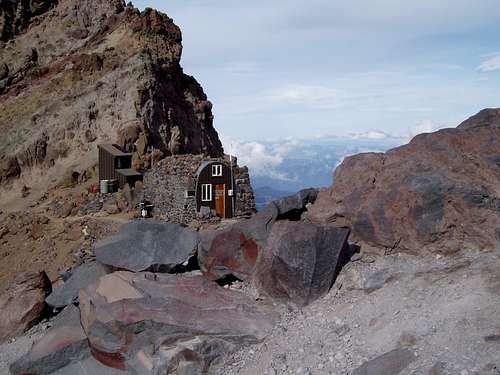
114, 150
128, 172
206, 163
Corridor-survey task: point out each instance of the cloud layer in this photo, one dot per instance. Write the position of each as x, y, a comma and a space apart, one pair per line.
490, 65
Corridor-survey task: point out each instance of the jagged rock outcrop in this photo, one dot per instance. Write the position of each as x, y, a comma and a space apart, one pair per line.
439, 193
300, 261
15, 16
77, 73
23, 304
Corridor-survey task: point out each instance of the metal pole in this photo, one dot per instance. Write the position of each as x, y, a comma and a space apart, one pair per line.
232, 178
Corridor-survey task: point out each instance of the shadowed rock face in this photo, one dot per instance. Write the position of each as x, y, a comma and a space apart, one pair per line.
15, 15
148, 322
439, 193
95, 72
299, 262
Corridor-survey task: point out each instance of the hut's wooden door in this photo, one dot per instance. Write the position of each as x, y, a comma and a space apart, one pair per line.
220, 200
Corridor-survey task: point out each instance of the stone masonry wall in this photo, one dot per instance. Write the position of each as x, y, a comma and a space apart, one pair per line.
167, 182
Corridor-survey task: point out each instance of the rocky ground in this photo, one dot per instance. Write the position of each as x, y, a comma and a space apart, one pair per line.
437, 315
440, 314
57, 232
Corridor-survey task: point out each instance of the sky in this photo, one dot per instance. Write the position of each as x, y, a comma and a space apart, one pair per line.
289, 69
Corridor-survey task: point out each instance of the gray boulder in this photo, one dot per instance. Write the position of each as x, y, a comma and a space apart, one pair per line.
89, 366
391, 363
151, 323
300, 261
62, 345
293, 206
148, 245
234, 250
81, 277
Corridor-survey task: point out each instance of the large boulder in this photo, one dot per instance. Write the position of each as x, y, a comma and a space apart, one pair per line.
23, 304
81, 277
148, 246
300, 261
439, 193
146, 322
234, 250
63, 344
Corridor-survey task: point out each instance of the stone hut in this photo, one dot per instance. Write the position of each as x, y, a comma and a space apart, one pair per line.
172, 186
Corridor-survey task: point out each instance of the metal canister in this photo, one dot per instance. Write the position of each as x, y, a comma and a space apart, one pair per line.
112, 186
103, 186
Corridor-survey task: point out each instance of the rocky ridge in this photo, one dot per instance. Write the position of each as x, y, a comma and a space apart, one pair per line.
77, 73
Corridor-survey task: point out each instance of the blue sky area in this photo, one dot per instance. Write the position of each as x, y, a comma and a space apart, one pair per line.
288, 69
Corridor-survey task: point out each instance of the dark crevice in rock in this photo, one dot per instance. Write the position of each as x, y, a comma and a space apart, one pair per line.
345, 256
293, 215
228, 280
190, 266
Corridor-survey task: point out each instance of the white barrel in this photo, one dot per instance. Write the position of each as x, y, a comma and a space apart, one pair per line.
103, 186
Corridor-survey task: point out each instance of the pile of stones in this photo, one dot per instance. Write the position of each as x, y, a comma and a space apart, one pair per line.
154, 301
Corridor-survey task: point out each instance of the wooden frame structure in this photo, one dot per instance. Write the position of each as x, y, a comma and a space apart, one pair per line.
214, 188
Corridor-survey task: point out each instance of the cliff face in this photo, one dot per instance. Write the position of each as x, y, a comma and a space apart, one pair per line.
77, 73
15, 15
439, 193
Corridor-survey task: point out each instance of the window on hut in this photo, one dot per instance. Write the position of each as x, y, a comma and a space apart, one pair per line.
216, 170
206, 192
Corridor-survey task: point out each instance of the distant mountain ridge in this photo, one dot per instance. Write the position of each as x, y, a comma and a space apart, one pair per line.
308, 164
266, 194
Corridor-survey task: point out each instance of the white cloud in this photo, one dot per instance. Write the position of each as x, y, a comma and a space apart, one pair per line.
425, 126
490, 65
315, 97
261, 159
371, 134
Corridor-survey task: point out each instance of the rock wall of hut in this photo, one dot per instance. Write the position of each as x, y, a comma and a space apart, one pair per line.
166, 185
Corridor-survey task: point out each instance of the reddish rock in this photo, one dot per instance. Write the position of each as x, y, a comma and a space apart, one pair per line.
300, 261
23, 304
138, 322
234, 250
439, 193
